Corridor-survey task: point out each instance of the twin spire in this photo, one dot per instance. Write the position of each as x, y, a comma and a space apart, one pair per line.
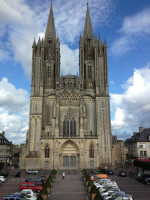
88, 30
51, 32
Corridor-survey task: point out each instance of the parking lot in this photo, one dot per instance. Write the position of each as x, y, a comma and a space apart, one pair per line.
139, 190
12, 183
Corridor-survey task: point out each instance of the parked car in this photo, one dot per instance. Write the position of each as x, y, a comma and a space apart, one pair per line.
141, 177
2, 178
14, 197
30, 198
17, 174
5, 174
16, 165
30, 185
122, 173
106, 171
146, 181
28, 192
107, 191
36, 180
111, 195
32, 171
120, 196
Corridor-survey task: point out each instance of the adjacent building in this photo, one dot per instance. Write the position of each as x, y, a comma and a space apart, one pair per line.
139, 144
69, 121
5, 149
119, 152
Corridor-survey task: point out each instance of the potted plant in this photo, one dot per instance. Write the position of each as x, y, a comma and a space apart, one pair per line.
98, 196
93, 192
54, 172
52, 176
50, 180
83, 171
39, 197
87, 180
84, 175
48, 187
90, 184
44, 193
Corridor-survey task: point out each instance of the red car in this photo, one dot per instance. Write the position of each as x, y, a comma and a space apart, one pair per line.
30, 185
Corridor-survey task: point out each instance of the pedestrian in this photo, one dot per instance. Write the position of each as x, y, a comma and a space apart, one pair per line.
63, 175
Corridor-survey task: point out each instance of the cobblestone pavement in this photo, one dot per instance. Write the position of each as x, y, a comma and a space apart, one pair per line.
71, 188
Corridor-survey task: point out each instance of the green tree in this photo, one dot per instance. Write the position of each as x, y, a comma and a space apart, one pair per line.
1, 165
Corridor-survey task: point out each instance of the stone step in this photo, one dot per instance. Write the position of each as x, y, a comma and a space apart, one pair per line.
69, 172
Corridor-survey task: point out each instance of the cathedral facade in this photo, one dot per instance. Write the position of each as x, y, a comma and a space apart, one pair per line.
69, 120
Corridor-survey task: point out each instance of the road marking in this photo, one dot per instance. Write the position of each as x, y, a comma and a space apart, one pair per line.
15, 180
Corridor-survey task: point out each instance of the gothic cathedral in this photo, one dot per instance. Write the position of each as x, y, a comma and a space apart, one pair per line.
69, 121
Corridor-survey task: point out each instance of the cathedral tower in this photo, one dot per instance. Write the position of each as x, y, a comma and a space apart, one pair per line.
69, 120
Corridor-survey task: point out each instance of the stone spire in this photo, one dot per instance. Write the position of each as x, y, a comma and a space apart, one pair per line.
50, 30
88, 30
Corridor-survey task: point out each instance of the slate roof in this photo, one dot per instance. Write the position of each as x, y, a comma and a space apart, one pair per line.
3, 140
144, 136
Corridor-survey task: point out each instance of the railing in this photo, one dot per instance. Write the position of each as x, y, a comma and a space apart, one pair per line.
67, 137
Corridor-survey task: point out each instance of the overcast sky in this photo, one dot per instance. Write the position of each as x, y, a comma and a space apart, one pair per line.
124, 24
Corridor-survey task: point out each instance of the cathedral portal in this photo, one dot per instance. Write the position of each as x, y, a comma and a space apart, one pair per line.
69, 155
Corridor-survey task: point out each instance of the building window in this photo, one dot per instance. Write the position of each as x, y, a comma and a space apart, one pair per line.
49, 71
69, 128
64, 128
141, 146
91, 151
143, 153
47, 151
144, 146
90, 72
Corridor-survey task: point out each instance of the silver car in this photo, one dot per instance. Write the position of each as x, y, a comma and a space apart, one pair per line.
32, 171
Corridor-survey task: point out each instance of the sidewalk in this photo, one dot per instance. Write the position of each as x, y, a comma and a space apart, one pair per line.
71, 188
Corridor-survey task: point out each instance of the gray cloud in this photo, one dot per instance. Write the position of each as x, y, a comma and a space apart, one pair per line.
132, 108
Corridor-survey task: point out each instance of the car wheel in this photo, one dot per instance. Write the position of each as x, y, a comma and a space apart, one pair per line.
148, 183
38, 191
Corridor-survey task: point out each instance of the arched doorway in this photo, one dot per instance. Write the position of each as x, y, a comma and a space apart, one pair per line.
70, 155
46, 165
91, 164
65, 162
73, 162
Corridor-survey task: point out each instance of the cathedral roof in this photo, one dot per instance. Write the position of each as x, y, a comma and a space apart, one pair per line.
50, 30
69, 75
88, 30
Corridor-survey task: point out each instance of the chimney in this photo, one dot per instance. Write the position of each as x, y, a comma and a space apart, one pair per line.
3, 133
140, 129
134, 133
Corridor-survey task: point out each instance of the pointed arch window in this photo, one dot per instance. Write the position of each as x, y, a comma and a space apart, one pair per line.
49, 71
91, 151
64, 128
69, 128
90, 72
47, 152
74, 128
